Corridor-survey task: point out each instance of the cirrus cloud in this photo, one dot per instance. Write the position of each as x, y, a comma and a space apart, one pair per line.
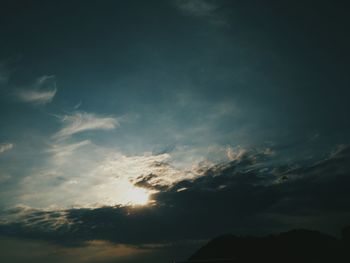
82, 121
4, 147
42, 92
196, 7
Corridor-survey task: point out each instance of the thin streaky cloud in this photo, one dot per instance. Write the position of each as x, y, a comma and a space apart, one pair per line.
77, 106
4, 147
36, 96
43, 79
42, 92
203, 9
198, 8
82, 121
64, 150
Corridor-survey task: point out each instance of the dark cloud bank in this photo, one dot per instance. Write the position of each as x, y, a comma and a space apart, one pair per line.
249, 195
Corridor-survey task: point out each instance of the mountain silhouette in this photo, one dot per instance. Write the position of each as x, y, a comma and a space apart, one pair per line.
297, 246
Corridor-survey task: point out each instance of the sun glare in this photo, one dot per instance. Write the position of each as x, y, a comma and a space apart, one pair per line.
137, 196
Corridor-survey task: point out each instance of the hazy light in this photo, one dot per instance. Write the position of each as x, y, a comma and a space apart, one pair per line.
136, 196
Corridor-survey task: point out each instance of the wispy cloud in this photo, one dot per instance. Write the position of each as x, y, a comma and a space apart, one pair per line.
42, 92
82, 121
36, 96
203, 9
61, 151
196, 7
4, 147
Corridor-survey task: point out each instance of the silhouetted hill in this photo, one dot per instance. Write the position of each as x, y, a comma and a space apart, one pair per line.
297, 246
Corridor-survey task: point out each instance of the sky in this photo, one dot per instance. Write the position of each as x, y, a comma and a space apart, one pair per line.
135, 131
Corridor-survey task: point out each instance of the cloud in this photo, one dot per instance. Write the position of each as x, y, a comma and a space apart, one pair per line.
4, 147
36, 96
197, 7
67, 149
82, 121
83, 174
42, 92
62, 151
235, 155
206, 9
243, 196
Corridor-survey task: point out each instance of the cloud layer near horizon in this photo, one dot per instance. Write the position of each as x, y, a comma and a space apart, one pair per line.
241, 196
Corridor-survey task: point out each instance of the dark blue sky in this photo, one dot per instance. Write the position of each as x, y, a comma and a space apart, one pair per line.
147, 107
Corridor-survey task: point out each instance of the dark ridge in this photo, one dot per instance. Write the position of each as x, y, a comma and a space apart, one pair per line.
297, 246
